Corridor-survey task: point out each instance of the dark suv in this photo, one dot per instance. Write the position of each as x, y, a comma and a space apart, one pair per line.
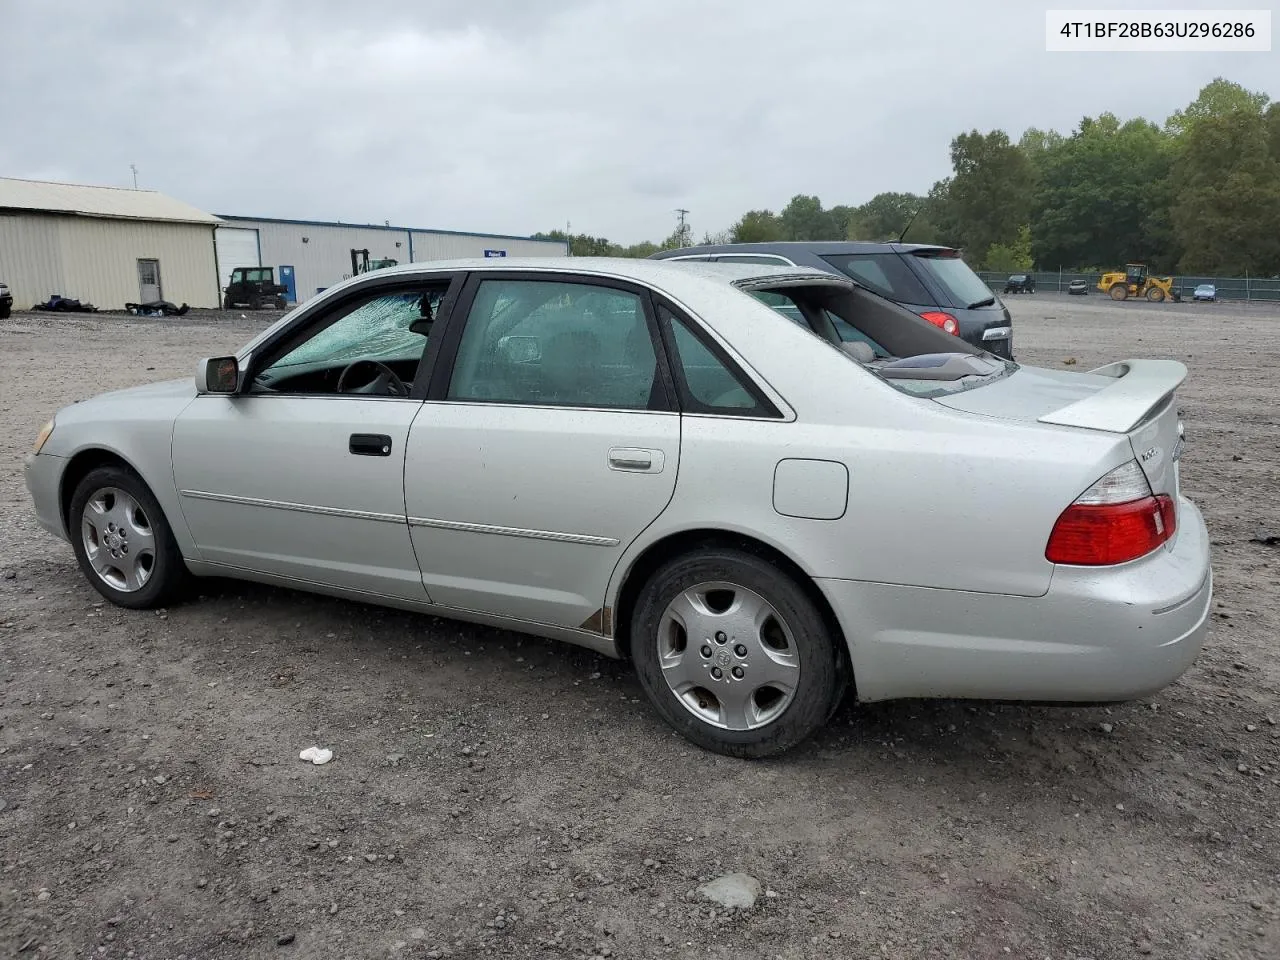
930, 281
1020, 283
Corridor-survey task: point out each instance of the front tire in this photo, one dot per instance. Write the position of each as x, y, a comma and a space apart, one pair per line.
122, 540
734, 654
1155, 295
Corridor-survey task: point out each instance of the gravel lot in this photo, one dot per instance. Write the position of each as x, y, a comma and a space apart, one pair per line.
493, 795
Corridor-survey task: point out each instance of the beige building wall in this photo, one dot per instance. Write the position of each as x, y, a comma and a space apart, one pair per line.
30, 258
100, 260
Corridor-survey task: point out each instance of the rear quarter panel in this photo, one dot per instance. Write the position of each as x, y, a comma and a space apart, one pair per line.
937, 497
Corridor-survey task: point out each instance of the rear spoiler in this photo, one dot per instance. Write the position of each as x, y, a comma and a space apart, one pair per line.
1141, 386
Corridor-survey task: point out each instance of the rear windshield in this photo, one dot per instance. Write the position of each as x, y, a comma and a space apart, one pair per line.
954, 276
884, 273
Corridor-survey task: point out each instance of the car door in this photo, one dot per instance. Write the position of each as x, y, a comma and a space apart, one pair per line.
548, 442
301, 474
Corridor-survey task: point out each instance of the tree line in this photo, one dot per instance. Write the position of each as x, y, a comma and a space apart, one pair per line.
1198, 194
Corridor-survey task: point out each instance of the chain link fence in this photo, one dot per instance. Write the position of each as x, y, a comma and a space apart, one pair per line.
1229, 288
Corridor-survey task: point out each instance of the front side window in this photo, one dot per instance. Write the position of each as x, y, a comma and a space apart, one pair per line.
374, 342
554, 343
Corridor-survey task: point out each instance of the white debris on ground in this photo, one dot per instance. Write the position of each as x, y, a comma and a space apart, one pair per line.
316, 755
733, 890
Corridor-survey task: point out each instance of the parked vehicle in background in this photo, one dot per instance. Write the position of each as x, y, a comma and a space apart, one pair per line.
703, 472
255, 288
1206, 291
1020, 283
1078, 288
931, 281
6, 302
1137, 282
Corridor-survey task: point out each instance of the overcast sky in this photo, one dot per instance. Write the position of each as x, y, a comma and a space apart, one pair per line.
513, 116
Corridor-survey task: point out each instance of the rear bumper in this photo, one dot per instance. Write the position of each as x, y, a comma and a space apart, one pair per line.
1097, 635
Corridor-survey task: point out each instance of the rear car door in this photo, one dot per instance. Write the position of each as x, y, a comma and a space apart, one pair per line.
548, 442
301, 476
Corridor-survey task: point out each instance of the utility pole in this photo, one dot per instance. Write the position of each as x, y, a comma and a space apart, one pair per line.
134, 168
682, 230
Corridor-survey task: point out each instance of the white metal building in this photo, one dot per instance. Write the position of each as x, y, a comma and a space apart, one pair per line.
310, 255
105, 245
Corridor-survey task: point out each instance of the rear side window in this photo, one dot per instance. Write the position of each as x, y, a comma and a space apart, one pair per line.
558, 344
960, 282
884, 273
705, 381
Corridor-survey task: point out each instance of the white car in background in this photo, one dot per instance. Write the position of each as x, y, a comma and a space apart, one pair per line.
1205, 291
762, 484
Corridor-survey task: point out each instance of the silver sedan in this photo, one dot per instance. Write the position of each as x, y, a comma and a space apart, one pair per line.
763, 485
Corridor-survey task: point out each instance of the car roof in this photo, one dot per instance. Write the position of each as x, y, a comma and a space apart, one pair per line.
622, 268
817, 247
673, 278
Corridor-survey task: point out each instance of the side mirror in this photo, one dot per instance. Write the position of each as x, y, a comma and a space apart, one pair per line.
218, 375
422, 326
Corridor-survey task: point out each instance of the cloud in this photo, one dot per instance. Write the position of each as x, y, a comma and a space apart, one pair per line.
514, 116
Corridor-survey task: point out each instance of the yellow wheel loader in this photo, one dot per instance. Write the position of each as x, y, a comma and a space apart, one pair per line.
1136, 282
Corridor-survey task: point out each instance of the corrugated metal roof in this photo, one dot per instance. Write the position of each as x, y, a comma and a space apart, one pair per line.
118, 202
388, 226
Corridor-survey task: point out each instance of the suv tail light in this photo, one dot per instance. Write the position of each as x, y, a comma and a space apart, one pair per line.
944, 320
1116, 520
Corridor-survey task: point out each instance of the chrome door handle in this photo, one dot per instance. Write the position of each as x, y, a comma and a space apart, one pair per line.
635, 460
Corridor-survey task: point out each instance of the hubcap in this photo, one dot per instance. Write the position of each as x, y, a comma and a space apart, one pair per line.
118, 540
728, 656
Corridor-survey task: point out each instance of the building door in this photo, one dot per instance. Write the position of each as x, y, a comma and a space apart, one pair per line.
290, 284
148, 281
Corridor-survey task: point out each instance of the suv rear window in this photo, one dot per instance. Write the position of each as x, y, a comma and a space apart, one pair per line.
883, 273
961, 284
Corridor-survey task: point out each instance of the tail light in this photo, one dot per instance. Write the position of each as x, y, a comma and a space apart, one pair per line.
944, 320
1116, 520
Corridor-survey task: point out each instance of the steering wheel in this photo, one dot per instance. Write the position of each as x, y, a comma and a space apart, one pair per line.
384, 382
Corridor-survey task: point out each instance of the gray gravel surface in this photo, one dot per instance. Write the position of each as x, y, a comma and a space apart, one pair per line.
495, 795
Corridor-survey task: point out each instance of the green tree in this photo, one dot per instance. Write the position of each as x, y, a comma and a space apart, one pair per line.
580, 245
1217, 98
1227, 184
885, 215
637, 251
989, 195
757, 226
1102, 196
804, 219
1013, 257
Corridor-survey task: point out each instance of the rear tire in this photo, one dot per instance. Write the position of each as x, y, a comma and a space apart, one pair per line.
1119, 291
734, 654
4, 312
122, 540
